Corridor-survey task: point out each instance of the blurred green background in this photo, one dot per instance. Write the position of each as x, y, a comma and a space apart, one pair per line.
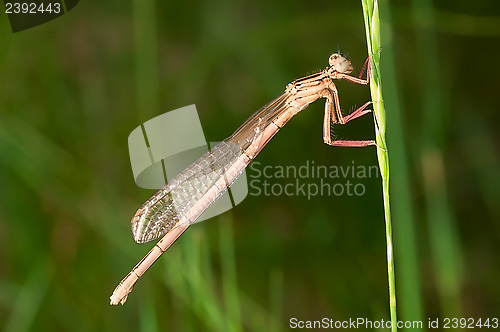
74, 88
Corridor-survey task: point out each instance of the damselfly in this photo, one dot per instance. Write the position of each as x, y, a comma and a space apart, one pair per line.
174, 208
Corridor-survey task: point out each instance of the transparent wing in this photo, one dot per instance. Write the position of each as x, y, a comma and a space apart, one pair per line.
190, 193
170, 205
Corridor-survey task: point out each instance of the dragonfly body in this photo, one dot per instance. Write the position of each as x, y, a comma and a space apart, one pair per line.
171, 210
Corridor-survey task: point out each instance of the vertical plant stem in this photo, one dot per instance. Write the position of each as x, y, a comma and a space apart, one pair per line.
372, 26
444, 237
146, 60
406, 239
228, 269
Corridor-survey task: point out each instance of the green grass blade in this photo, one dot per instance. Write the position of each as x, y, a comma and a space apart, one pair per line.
372, 27
442, 228
146, 60
228, 267
30, 297
403, 211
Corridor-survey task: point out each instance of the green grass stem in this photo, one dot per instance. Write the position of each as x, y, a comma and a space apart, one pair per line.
445, 244
403, 211
372, 26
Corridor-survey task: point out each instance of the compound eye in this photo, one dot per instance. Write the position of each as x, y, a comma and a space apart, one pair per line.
333, 58
344, 66
340, 64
